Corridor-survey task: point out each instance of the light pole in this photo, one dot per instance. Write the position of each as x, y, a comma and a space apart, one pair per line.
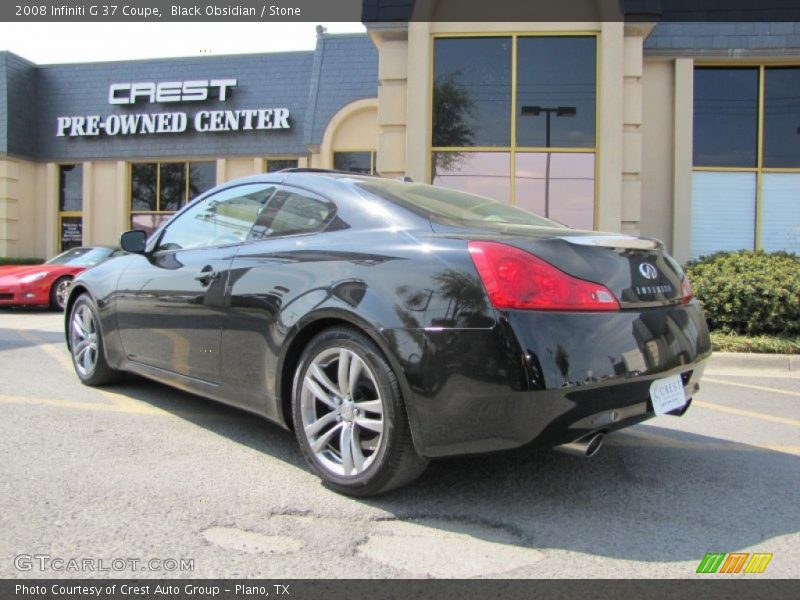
559, 111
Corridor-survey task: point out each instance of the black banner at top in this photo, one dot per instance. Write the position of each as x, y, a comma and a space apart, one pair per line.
401, 11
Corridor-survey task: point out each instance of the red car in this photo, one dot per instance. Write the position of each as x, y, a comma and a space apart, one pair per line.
48, 284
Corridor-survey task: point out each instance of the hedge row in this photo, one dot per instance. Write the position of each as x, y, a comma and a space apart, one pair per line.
12, 260
749, 292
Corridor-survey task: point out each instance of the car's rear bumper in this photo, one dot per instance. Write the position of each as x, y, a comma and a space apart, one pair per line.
544, 377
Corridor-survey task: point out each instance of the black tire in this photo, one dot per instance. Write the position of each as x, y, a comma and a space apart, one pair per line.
59, 292
98, 373
392, 461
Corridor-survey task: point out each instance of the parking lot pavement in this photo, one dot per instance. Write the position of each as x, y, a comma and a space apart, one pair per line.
141, 471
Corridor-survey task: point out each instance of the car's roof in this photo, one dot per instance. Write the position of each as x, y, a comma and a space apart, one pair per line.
300, 175
94, 247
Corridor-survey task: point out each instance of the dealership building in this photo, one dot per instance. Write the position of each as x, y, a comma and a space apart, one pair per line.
688, 132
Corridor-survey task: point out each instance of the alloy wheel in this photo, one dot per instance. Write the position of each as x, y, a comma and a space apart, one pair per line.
83, 340
62, 291
342, 411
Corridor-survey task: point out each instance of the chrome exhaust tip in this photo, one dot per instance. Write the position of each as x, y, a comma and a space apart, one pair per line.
585, 447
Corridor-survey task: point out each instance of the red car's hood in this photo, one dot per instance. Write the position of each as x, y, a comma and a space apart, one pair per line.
12, 273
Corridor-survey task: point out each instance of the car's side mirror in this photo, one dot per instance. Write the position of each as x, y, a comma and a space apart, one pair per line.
134, 241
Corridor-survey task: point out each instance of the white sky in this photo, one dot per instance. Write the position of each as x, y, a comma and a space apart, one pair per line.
47, 43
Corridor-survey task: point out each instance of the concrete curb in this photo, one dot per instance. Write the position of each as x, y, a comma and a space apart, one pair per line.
745, 361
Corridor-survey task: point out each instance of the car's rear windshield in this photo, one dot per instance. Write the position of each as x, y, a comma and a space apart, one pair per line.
80, 257
451, 206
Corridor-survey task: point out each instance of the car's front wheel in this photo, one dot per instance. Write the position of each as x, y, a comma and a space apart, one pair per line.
59, 292
86, 345
349, 415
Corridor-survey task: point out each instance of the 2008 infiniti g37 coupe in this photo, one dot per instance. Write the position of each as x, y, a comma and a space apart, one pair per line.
388, 322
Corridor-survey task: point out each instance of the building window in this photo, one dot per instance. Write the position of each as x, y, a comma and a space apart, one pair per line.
514, 118
160, 189
70, 206
356, 161
279, 164
746, 180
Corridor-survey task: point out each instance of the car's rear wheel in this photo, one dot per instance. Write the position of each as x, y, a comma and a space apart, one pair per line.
349, 416
86, 345
59, 293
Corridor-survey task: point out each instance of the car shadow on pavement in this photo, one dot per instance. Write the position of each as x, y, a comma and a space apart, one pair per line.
650, 494
237, 425
14, 339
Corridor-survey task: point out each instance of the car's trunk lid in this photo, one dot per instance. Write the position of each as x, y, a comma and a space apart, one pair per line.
637, 270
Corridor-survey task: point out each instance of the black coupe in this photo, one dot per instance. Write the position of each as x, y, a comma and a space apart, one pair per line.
388, 322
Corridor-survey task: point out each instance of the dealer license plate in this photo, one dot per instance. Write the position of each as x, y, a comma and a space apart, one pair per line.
667, 394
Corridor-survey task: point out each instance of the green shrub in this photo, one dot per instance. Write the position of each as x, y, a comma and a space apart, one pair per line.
749, 292
13, 260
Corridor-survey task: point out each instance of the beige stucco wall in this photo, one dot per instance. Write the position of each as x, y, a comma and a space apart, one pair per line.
683, 132
393, 61
657, 149
238, 167
357, 132
353, 127
21, 221
632, 73
233, 168
105, 202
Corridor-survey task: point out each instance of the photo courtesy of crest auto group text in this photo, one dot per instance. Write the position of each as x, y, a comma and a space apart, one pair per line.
399, 299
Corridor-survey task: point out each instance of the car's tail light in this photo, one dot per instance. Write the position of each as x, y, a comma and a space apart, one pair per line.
686, 289
517, 279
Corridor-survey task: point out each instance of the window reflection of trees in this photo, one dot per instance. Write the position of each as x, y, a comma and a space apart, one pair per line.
453, 109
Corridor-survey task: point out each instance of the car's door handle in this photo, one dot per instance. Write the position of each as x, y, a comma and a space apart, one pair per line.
207, 276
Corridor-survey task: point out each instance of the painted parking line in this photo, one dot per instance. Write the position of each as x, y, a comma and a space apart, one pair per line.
760, 374
746, 413
648, 439
59, 353
94, 406
760, 388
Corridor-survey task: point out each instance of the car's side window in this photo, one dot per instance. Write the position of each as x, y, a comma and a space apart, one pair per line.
291, 212
223, 218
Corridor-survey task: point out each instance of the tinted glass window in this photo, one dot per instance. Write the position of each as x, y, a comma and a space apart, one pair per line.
353, 162
274, 165
723, 211
780, 213
172, 185
472, 92
149, 222
292, 212
70, 193
222, 218
484, 173
782, 117
725, 117
556, 84
558, 185
450, 205
144, 186
81, 257
202, 177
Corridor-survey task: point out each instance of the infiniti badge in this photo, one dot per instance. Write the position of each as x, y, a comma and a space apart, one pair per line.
648, 271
